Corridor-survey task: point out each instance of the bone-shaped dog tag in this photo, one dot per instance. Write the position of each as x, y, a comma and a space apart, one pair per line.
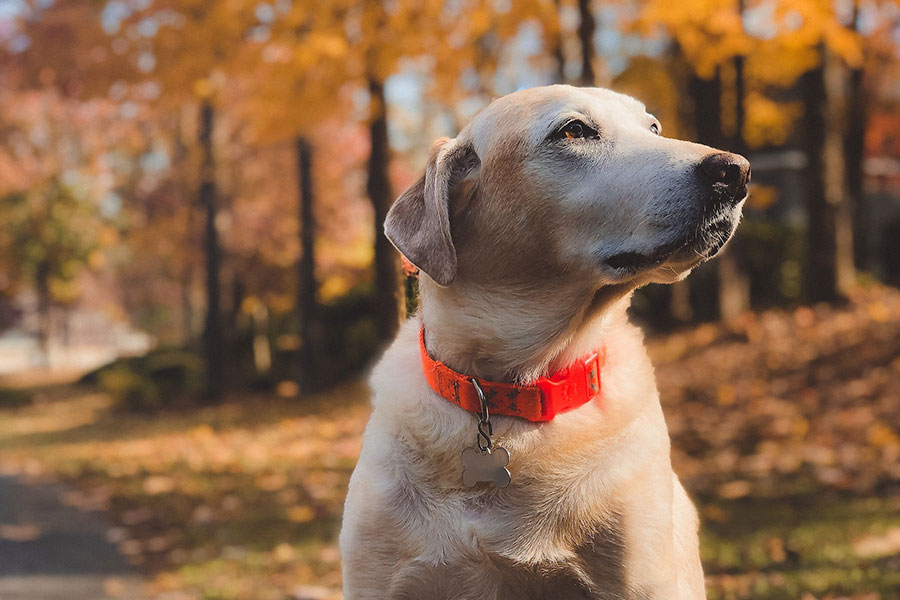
488, 466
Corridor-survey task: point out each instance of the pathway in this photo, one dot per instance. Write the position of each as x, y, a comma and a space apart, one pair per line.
49, 551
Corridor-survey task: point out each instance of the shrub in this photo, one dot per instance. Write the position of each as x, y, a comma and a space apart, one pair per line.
132, 390
162, 379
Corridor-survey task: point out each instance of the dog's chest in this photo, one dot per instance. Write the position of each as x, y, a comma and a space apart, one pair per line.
507, 544
593, 568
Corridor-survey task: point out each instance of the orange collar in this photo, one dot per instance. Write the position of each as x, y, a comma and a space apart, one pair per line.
568, 388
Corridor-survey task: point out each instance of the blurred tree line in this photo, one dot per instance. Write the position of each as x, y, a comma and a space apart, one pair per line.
218, 170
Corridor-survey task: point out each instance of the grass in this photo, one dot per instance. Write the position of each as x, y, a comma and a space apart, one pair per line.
785, 431
238, 501
815, 546
244, 501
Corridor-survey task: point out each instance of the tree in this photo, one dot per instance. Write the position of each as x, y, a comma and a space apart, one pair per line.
734, 284
587, 24
48, 235
213, 338
830, 267
382, 37
829, 231
184, 47
554, 35
378, 57
804, 37
378, 187
56, 155
854, 144
307, 286
192, 56
710, 40
312, 54
877, 47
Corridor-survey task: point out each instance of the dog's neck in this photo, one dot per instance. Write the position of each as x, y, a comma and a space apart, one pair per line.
515, 335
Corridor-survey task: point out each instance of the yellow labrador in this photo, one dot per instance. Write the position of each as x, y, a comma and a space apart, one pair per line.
531, 229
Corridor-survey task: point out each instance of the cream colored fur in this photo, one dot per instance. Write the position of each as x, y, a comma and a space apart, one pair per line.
512, 227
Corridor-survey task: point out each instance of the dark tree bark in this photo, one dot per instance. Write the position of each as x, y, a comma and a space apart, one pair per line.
556, 46
829, 237
586, 27
238, 295
707, 95
820, 276
44, 303
712, 280
213, 339
187, 285
854, 143
387, 282
179, 157
740, 105
307, 286
835, 174
731, 283
734, 285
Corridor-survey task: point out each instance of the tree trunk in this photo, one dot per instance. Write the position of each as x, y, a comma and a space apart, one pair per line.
42, 285
853, 148
854, 142
556, 45
820, 276
830, 240
187, 303
734, 285
213, 342
307, 286
707, 112
586, 27
680, 301
238, 295
707, 95
262, 351
387, 283
179, 156
730, 285
835, 172
740, 104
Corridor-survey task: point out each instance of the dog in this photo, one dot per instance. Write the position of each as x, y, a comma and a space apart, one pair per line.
531, 230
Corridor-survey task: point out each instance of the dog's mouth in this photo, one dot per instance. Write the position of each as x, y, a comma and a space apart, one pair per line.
698, 246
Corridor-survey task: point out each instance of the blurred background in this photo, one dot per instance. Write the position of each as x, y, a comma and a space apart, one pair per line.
193, 279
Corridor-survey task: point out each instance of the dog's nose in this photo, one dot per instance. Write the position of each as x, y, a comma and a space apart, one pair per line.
731, 169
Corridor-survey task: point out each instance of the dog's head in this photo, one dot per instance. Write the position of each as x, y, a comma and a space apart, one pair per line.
563, 180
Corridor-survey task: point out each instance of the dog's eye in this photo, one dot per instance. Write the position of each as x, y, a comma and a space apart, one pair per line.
574, 130
655, 128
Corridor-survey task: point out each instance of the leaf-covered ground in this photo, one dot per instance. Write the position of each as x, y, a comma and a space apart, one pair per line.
785, 431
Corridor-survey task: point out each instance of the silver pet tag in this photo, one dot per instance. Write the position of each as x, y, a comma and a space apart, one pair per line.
487, 463
488, 466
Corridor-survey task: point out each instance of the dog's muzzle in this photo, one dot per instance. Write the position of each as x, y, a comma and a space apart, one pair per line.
722, 179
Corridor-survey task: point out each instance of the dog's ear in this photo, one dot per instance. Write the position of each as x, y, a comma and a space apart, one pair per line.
418, 223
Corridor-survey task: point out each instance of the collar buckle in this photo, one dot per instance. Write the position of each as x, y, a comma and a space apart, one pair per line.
573, 386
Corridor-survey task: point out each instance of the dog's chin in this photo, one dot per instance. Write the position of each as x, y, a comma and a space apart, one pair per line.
673, 260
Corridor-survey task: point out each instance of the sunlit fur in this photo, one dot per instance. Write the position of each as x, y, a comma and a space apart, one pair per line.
594, 509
